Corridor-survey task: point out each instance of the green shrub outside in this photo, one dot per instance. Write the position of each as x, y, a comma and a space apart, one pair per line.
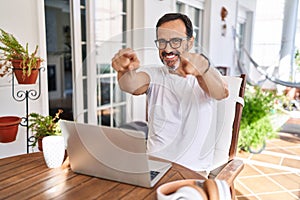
256, 125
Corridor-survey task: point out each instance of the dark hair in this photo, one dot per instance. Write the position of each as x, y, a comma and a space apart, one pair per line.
173, 16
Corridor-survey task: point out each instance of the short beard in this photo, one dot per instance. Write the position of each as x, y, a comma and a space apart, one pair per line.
164, 54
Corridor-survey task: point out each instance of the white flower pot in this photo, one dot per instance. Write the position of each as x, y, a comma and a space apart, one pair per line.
53, 150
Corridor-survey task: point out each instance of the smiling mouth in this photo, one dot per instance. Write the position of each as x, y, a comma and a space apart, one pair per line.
170, 55
170, 59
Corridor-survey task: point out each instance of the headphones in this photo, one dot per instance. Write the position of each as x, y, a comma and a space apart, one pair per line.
192, 189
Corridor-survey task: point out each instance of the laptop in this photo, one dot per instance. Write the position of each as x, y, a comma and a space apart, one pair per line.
111, 153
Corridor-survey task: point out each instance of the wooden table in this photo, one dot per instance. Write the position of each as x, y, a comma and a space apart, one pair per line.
27, 177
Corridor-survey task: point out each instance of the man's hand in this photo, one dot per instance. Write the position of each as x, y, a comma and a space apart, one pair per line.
125, 60
198, 65
192, 63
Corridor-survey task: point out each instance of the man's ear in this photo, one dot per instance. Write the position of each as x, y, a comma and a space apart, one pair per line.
190, 43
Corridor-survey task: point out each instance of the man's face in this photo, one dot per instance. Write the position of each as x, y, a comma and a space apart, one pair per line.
170, 30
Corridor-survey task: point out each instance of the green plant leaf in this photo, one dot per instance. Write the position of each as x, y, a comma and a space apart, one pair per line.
255, 124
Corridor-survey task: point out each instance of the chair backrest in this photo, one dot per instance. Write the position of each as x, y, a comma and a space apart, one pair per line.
237, 120
228, 112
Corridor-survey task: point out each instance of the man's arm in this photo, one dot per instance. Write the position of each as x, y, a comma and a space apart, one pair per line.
134, 82
213, 84
209, 79
125, 62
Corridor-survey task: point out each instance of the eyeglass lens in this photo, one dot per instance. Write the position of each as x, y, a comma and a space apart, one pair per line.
174, 43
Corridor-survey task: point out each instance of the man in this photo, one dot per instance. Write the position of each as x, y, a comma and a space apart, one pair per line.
180, 94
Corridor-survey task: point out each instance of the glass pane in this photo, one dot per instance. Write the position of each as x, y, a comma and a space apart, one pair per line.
103, 68
83, 24
194, 14
119, 95
84, 67
98, 92
85, 117
105, 91
119, 115
200, 26
83, 36
110, 36
180, 7
196, 30
59, 60
241, 37
104, 117
108, 19
85, 94
104, 53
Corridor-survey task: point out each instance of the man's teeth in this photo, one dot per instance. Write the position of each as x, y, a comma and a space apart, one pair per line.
170, 56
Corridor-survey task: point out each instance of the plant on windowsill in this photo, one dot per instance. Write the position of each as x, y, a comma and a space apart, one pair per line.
25, 65
256, 126
43, 126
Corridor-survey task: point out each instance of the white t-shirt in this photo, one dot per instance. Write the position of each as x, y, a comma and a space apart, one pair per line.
179, 116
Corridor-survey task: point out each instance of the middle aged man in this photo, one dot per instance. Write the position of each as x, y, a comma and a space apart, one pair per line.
180, 94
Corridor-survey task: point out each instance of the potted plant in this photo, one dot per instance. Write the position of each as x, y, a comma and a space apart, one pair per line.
256, 126
25, 64
9, 128
43, 126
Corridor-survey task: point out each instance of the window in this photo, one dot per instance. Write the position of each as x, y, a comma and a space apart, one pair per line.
196, 16
110, 35
240, 40
243, 37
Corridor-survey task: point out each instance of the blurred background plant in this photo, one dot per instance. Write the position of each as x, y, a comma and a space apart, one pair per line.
256, 126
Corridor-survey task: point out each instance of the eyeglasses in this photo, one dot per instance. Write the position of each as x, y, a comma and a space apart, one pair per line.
175, 43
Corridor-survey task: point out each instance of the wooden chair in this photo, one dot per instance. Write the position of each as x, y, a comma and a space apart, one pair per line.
228, 114
230, 169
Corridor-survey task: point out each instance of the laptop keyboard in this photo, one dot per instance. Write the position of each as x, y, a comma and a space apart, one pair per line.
153, 174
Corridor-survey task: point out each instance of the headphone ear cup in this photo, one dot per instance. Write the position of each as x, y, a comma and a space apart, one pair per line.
187, 189
190, 192
217, 189
211, 189
224, 189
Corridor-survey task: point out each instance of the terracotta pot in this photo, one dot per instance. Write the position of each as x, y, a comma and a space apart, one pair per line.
24, 79
40, 143
9, 128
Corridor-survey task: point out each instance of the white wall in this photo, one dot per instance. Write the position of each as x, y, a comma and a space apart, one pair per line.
25, 20
221, 48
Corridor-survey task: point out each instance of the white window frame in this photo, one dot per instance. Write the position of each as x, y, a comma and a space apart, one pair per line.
197, 4
245, 17
88, 112
76, 60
